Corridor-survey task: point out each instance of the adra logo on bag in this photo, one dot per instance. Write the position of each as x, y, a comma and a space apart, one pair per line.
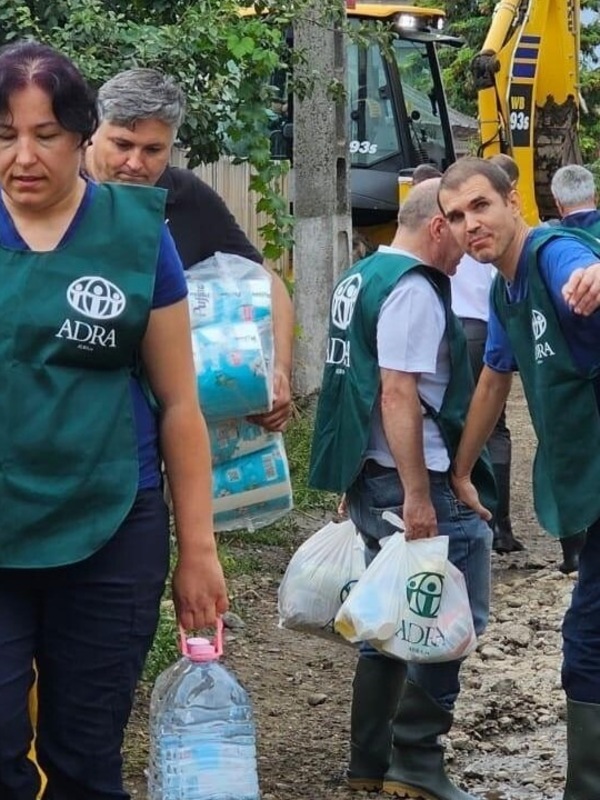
424, 594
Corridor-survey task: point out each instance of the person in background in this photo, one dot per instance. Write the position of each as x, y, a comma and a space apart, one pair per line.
395, 386
544, 322
140, 111
471, 303
94, 317
574, 191
423, 172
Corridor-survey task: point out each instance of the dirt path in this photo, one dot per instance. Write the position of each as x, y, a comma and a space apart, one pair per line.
508, 738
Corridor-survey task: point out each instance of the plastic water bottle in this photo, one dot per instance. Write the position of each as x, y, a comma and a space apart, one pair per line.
202, 732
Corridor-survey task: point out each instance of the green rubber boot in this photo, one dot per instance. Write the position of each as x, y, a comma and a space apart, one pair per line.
583, 749
417, 763
376, 690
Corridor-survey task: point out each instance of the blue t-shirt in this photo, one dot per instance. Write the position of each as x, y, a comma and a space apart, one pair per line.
169, 287
556, 261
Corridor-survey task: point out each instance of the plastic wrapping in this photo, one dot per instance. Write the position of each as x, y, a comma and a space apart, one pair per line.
232, 438
411, 603
319, 577
252, 491
229, 298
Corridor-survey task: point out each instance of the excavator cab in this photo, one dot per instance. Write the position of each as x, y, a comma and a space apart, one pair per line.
397, 111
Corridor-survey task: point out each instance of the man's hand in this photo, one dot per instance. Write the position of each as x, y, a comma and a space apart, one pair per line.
199, 592
467, 493
277, 418
582, 291
418, 514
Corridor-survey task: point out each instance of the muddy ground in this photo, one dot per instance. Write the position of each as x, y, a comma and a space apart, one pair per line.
508, 741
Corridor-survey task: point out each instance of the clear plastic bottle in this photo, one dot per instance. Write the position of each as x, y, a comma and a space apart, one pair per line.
202, 732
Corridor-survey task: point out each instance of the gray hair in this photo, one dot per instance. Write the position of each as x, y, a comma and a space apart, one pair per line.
421, 205
573, 186
141, 94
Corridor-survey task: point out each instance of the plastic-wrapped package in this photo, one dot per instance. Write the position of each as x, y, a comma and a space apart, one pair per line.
232, 438
228, 288
229, 298
252, 491
233, 375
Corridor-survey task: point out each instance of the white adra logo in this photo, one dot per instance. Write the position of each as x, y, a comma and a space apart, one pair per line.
96, 298
538, 326
538, 323
344, 300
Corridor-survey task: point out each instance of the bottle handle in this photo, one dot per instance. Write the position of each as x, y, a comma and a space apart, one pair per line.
217, 641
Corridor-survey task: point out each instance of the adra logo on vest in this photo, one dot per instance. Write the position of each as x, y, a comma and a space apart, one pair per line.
538, 326
343, 303
97, 299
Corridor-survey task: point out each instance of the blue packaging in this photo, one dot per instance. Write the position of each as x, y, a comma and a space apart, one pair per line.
232, 438
232, 370
252, 491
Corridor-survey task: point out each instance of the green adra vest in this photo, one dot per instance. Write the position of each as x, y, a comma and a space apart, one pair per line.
71, 322
351, 377
561, 400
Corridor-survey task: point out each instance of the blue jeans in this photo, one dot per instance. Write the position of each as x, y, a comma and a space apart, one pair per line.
581, 626
378, 489
89, 627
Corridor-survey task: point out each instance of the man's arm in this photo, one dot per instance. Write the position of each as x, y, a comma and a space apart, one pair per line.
402, 418
283, 335
486, 406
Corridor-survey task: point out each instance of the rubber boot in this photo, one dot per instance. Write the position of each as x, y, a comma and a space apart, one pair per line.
376, 690
417, 763
571, 548
583, 747
504, 541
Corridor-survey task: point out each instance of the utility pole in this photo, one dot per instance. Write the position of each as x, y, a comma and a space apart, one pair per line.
321, 194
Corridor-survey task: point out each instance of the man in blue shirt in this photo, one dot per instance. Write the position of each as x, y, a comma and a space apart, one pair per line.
543, 322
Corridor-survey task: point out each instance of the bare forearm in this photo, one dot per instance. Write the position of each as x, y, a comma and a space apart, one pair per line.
403, 427
486, 406
283, 326
186, 453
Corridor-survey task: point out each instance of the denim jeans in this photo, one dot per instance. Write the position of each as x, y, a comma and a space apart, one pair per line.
378, 489
581, 626
89, 625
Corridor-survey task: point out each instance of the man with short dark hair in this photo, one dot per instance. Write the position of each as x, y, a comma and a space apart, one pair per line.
543, 322
140, 111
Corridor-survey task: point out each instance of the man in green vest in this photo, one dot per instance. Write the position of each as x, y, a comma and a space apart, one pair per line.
574, 191
543, 322
396, 385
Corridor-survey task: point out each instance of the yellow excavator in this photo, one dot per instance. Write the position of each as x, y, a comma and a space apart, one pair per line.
527, 78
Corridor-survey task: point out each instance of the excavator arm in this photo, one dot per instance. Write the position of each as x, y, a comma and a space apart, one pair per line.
527, 79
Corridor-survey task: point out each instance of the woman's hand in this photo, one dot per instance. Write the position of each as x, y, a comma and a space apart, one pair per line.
199, 591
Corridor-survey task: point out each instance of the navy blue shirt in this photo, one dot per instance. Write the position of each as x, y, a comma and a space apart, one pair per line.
556, 261
170, 287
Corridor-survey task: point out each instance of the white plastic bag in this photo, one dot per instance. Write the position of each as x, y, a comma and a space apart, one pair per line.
411, 603
319, 577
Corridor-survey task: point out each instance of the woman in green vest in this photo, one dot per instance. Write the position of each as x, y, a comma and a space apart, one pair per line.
93, 323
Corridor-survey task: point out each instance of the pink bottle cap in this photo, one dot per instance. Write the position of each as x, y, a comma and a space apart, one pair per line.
197, 648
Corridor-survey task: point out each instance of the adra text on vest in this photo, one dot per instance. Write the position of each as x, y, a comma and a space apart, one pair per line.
87, 336
538, 326
338, 352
